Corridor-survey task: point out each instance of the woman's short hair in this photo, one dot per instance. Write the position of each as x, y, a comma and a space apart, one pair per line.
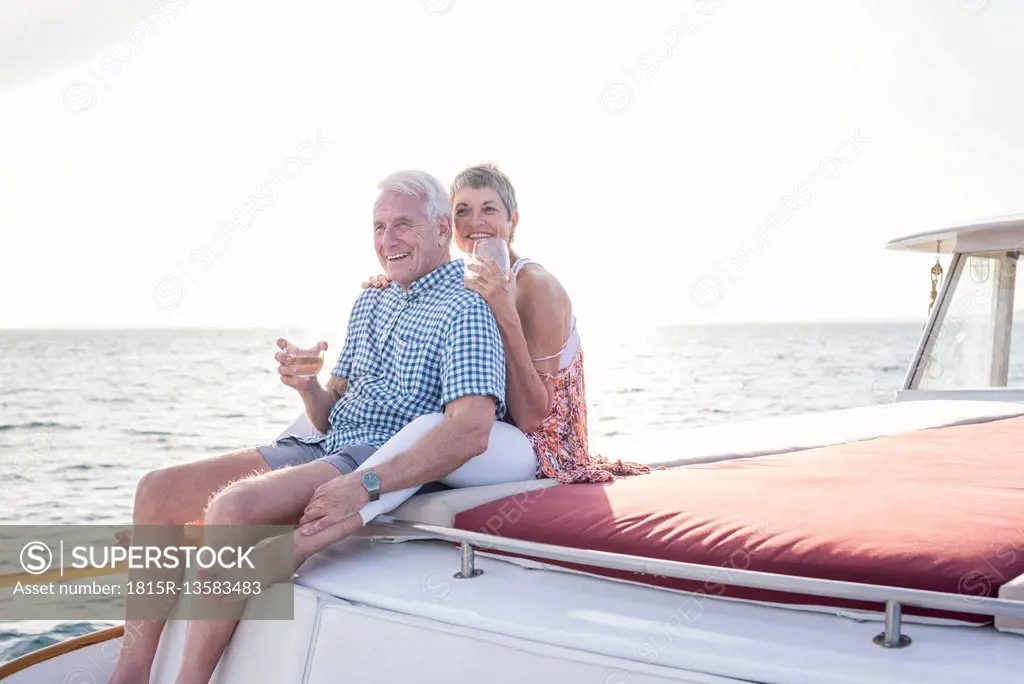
487, 176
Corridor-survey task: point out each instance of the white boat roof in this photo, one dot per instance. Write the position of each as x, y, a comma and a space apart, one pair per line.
994, 234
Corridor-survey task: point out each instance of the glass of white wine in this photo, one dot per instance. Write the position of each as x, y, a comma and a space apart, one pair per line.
490, 248
307, 362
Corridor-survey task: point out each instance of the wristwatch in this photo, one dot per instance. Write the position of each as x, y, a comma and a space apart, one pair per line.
371, 481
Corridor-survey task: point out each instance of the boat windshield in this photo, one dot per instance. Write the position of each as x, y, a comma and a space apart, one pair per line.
978, 343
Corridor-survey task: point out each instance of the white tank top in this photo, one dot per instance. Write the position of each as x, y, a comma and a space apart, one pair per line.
568, 352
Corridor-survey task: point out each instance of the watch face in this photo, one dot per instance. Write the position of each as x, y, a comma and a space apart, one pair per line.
371, 480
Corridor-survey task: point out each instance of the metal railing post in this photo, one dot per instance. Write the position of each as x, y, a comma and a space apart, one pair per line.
893, 597
891, 637
468, 555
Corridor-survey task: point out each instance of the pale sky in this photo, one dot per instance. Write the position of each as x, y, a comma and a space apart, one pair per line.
648, 142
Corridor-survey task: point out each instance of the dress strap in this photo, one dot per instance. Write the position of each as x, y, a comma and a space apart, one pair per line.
568, 340
518, 266
573, 335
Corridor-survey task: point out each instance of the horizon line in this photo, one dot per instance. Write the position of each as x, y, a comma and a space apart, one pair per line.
592, 324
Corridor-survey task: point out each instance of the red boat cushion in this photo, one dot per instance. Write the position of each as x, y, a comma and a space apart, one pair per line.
939, 509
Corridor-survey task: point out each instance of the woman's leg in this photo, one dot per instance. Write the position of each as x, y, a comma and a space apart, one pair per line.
509, 458
403, 439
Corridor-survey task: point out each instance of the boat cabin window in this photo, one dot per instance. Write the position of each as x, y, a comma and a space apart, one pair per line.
975, 344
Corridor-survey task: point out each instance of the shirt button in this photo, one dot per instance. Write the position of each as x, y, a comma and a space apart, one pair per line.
404, 303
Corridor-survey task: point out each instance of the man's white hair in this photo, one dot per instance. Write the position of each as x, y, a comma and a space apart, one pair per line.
420, 184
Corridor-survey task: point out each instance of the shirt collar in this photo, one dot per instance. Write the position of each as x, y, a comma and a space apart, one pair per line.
449, 272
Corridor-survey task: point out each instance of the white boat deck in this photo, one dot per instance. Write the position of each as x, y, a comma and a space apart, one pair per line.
650, 626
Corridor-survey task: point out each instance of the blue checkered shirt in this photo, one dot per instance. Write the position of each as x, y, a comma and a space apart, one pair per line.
410, 353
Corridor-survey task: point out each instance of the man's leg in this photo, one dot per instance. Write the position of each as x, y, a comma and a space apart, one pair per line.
281, 498
509, 458
304, 546
277, 498
171, 497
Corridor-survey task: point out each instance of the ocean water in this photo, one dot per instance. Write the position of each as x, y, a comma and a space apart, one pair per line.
83, 414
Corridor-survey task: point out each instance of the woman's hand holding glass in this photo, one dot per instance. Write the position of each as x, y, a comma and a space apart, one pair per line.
488, 273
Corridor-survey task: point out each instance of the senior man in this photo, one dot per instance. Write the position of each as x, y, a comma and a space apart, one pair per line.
418, 387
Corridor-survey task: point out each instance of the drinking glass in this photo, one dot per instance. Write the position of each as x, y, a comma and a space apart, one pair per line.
493, 249
307, 361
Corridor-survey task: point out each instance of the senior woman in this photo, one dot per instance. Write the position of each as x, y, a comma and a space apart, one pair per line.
545, 391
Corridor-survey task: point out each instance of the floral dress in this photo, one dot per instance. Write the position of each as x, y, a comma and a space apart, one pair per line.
560, 442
